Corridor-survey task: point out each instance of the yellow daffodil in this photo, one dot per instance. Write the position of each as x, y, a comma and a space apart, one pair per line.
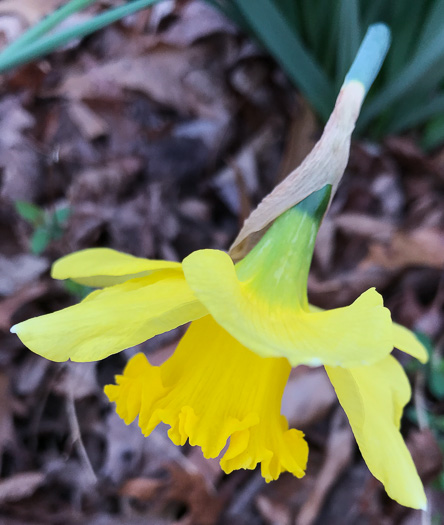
250, 323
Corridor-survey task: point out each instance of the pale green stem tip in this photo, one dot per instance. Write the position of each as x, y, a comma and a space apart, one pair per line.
370, 56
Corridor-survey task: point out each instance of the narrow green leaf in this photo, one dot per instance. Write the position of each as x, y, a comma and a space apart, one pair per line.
436, 380
230, 10
349, 38
61, 215
40, 240
308, 28
410, 78
433, 133
426, 341
326, 35
414, 114
48, 43
288, 9
46, 25
373, 12
30, 212
331, 42
403, 27
78, 290
437, 518
272, 29
432, 26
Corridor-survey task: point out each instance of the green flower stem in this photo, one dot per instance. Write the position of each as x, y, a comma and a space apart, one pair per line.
278, 265
46, 44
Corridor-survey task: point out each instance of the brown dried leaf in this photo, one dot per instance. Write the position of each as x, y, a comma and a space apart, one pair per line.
364, 226
124, 451
273, 512
144, 489
426, 454
19, 270
6, 421
163, 74
10, 305
10, 28
29, 10
249, 79
288, 494
325, 244
187, 486
86, 224
78, 380
15, 120
147, 518
31, 374
308, 397
18, 158
209, 468
20, 486
239, 181
104, 182
340, 449
186, 31
301, 139
89, 123
410, 155
421, 247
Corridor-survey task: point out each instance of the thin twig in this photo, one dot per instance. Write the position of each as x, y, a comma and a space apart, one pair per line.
77, 437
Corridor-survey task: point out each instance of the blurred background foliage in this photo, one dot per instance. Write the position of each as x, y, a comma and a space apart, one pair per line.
314, 41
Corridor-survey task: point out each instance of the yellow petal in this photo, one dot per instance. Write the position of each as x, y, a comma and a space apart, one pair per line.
113, 319
403, 339
407, 341
210, 389
358, 334
373, 398
99, 267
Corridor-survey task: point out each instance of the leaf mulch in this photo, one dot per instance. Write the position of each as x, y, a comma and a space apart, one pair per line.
160, 134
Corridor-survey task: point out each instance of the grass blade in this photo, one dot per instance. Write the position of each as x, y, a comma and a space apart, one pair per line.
288, 9
46, 24
230, 10
410, 77
374, 11
434, 133
404, 46
418, 115
48, 43
273, 30
327, 31
432, 25
309, 28
349, 37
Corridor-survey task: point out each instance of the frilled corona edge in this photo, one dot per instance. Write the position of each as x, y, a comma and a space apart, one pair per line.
213, 389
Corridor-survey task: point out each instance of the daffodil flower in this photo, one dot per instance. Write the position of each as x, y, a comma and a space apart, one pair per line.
250, 323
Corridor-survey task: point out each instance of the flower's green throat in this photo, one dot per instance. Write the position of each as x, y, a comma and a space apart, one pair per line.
278, 265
